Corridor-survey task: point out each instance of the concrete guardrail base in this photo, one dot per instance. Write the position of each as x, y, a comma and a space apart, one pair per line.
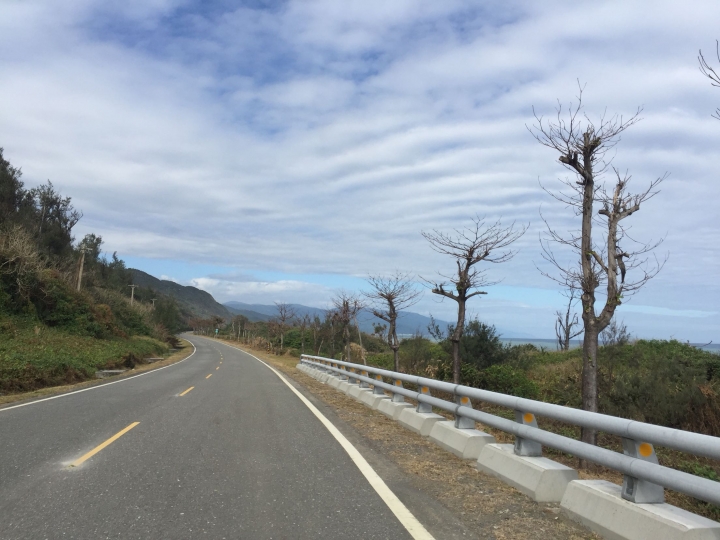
334, 382
598, 505
343, 387
464, 443
356, 392
372, 400
539, 478
420, 423
392, 409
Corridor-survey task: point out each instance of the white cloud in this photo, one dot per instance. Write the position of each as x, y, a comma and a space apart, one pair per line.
313, 139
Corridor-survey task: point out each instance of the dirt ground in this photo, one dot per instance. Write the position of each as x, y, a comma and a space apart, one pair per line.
486, 506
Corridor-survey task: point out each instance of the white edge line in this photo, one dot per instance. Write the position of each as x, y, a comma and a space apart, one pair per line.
100, 385
406, 518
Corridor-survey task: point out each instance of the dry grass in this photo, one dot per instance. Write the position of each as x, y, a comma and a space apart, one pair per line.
185, 348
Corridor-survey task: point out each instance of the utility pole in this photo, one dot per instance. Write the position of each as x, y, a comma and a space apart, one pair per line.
132, 293
153, 301
80, 271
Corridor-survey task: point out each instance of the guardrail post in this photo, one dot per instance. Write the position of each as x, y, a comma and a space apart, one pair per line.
351, 379
398, 398
376, 389
343, 376
424, 407
363, 384
634, 489
463, 422
525, 447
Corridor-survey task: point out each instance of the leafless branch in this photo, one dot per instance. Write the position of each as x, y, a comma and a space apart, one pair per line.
707, 70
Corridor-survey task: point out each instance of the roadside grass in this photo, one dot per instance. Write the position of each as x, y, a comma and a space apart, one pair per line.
563, 370
38, 361
184, 349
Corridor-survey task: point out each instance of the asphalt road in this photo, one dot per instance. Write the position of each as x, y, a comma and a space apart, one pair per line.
239, 457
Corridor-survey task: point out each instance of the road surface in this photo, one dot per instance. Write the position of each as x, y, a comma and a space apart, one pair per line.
216, 446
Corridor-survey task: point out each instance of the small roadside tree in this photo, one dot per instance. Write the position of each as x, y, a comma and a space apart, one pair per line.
346, 309
468, 247
304, 322
566, 323
582, 145
389, 296
285, 316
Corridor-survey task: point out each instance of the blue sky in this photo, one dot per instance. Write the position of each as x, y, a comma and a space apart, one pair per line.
279, 151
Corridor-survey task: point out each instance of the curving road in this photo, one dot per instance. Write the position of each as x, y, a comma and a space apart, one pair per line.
239, 456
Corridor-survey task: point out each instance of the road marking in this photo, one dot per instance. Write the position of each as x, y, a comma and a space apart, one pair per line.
99, 385
186, 391
404, 516
209, 376
217, 368
95, 450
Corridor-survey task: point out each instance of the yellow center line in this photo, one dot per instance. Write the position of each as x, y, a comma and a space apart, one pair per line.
95, 450
209, 376
186, 391
217, 368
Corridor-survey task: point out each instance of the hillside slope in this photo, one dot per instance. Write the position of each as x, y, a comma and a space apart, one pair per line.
193, 302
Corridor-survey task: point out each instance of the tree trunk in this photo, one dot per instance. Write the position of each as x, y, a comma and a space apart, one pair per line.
396, 359
456, 360
362, 350
456, 335
589, 381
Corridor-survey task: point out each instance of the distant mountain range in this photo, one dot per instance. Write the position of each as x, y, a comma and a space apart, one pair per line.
195, 302
408, 322
192, 301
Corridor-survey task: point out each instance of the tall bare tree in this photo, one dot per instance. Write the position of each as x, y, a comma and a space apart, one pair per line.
707, 70
476, 243
346, 308
565, 323
285, 316
389, 296
583, 145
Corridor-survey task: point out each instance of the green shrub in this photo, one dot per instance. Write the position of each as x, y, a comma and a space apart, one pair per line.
507, 380
660, 382
381, 360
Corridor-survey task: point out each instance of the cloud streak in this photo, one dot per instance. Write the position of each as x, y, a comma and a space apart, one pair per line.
321, 138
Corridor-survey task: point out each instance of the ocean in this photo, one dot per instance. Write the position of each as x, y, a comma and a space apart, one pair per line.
551, 344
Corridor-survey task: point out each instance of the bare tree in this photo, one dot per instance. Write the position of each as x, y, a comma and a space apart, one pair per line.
707, 70
316, 326
285, 315
346, 309
583, 146
565, 323
303, 323
476, 243
389, 296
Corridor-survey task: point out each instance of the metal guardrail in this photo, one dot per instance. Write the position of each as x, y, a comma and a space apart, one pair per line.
644, 477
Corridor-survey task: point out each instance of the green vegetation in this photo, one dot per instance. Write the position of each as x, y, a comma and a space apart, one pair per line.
64, 308
38, 356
